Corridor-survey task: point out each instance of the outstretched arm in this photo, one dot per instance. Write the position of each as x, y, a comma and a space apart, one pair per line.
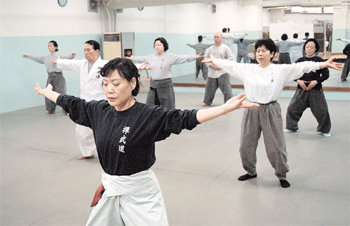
47, 92
232, 104
40, 60
190, 45
331, 64
80, 111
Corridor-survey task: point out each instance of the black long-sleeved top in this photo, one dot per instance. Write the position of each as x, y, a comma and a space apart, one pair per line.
319, 75
125, 139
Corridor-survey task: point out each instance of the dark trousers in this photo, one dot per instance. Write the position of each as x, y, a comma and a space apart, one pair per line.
58, 82
284, 58
223, 82
161, 93
346, 70
316, 101
246, 58
201, 67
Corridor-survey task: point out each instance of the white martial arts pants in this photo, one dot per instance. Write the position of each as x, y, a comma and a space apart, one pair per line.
86, 141
134, 200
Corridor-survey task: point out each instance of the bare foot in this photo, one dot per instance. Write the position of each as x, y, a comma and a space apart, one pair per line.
86, 157
205, 105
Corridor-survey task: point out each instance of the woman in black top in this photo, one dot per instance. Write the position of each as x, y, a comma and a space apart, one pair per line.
309, 93
125, 132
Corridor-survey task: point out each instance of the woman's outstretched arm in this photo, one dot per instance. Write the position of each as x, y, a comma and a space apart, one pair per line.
47, 92
232, 104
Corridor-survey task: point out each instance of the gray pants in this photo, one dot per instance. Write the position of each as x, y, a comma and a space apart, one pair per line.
346, 70
316, 101
266, 118
161, 93
223, 82
201, 66
284, 58
246, 58
58, 82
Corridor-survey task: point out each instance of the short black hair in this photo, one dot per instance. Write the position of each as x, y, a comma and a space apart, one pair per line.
317, 45
224, 29
94, 44
54, 43
126, 69
295, 35
307, 34
268, 43
284, 37
200, 38
163, 41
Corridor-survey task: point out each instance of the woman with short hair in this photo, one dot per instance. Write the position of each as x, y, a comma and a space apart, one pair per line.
55, 76
263, 84
162, 90
309, 94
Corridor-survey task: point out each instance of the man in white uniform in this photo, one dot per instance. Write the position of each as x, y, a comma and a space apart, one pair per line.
90, 89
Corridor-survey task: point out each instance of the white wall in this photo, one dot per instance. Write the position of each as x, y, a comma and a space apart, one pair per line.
46, 17
26, 27
341, 27
193, 18
281, 23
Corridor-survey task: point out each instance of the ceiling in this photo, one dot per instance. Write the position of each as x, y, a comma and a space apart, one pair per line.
120, 4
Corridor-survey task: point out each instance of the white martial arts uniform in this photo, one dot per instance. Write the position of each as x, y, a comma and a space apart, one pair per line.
90, 89
127, 200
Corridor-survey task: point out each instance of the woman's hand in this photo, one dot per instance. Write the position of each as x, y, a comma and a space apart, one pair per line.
312, 84
47, 92
199, 55
302, 84
25, 55
331, 64
143, 66
232, 104
238, 102
41, 91
208, 60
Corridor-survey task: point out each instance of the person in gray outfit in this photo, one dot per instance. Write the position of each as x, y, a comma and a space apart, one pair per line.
284, 49
161, 86
242, 52
217, 78
200, 49
55, 76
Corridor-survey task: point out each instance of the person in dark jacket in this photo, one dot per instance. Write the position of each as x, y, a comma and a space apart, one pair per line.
309, 94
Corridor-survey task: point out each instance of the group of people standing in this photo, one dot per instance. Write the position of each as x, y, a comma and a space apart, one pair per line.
125, 131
